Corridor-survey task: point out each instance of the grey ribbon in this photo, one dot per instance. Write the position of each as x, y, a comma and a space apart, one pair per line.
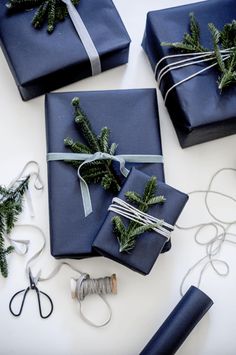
88, 158
84, 37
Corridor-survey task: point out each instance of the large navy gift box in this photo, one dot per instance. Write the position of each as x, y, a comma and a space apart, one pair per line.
150, 244
132, 116
42, 62
198, 110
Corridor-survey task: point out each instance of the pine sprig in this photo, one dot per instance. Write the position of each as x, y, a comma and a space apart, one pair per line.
11, 205
100, 171
127, 236
191, 41
50, 11
225, 39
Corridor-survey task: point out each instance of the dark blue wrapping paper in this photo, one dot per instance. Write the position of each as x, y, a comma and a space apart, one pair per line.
150, 244
197, 109
132, 116
41, 62
176, 328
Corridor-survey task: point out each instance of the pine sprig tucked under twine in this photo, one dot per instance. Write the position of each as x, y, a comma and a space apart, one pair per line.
127, 236
100, 171
50, 11
11, 205
225, 39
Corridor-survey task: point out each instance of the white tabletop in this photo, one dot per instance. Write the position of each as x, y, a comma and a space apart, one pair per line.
142, 303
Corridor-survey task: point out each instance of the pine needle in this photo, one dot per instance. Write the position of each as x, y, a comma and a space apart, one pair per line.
225, 39
100, 171
50, 11
11, 205
127, 237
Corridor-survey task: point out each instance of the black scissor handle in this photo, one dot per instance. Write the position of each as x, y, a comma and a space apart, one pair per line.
22, 303
39, 303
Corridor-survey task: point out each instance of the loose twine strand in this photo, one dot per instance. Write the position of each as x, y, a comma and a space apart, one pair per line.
80, 288
221, 235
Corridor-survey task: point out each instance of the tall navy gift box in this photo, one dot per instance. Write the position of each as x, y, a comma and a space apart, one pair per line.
42, 62
150, 244
132, 116
198, 110
179, 324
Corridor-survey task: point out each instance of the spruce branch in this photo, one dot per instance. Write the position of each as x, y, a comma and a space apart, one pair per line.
50, 11
100, 171
11, 205
127, 236
225, 39
191, 41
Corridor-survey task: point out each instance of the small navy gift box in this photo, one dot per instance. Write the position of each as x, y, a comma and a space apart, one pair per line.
150, 244
42, 62
132, 116
200, 112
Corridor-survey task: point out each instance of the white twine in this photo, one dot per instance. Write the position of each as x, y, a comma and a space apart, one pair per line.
195, 58
214, 244
128, 211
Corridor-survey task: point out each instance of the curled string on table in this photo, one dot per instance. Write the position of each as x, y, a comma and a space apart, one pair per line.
221, 235
38, 184
80, 288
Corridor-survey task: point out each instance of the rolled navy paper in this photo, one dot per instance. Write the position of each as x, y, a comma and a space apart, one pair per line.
66, 60
199, 111
182, 320
72, 234
150, 244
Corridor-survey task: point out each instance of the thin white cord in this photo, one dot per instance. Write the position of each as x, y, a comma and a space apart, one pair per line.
195, 58
134, 214
221, 235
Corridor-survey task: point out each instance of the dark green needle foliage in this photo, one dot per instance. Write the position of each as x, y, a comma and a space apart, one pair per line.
100, 171
50, 11
127, 236
225, 39
11, 205
191, 41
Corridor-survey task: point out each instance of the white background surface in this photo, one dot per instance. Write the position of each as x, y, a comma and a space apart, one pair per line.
142, 302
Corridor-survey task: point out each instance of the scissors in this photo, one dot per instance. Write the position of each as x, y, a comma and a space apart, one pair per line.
32, 287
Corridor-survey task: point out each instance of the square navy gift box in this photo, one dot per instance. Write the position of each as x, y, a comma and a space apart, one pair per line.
200, 112
41, 62
132, 117
150, 244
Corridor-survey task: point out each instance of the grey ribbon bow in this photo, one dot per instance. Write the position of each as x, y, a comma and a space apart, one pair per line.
88, 158
84, 37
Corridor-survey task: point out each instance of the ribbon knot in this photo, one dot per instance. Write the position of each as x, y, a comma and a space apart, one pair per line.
83, 184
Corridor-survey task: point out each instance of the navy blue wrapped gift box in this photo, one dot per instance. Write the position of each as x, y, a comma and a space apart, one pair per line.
42, 62
198, 110
132, 116
150, 244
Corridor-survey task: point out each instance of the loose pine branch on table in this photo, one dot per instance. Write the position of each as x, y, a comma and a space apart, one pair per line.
50, 11
225, 39
11, 205
127, 236
100, 171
